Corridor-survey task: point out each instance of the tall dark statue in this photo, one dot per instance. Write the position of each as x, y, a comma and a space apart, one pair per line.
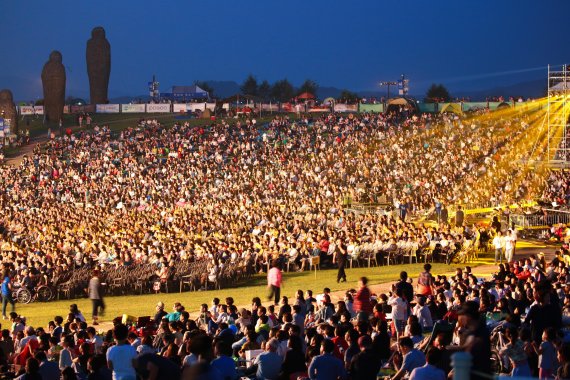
53, 79
8, 109
98, 65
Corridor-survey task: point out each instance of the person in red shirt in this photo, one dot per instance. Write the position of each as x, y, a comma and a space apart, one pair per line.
379, 313
362, 298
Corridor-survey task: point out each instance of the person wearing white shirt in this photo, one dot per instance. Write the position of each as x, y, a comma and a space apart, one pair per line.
423, 313
498, 245
120, 357
509, 246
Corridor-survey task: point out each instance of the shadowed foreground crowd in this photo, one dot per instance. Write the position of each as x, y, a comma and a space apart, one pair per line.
410, 332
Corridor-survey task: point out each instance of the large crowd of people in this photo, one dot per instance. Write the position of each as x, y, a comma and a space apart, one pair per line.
163, 204
510, 323
246, 193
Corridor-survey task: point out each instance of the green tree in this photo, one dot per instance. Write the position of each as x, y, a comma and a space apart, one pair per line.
309, 86
206, 87
282, 90
348, 96
437, 93
249, 86
264, 90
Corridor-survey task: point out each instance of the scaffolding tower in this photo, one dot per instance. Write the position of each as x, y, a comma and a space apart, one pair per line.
557, 115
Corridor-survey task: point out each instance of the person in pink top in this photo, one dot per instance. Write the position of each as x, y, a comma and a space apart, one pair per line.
274, 279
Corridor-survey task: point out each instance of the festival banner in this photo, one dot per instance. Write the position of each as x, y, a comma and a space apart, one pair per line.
132, 108
473, 106
88, 108
158, 108
192, 107
345, 107
371, 108
427, 107
26, 110
320, 109
270, 107
107, 108
39, 110
177, 108
210, 106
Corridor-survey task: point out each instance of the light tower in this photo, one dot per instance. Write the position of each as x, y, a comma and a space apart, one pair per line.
557, 115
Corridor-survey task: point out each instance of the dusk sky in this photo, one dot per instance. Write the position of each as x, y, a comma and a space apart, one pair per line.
356, 44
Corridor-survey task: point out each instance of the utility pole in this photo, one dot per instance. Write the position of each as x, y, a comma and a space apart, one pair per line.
388, 84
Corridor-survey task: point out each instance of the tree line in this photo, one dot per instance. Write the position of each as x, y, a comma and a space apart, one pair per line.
279, 91
283, 91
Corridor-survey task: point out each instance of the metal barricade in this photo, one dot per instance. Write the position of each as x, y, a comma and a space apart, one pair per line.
548, 218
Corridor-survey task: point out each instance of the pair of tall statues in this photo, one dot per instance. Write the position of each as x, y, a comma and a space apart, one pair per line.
98, 55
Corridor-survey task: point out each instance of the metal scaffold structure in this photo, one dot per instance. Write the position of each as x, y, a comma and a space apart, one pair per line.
557, 115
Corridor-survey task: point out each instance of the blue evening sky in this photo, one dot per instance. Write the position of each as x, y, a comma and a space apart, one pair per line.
346, 44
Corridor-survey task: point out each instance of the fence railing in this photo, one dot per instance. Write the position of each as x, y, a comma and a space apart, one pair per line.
366, 208
548, 218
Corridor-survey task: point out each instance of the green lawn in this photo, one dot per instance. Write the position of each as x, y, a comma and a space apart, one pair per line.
38, 314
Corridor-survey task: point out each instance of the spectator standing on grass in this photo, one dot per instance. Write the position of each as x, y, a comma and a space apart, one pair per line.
96, 296
7, 293
406, 287
399, 311
425, 283
274, 280
498, 244
362, 298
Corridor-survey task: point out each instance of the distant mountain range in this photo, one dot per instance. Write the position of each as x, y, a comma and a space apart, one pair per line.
529, 89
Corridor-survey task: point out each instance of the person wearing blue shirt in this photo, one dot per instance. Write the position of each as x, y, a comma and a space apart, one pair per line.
223, 362
429, 371
7, 294
269, 362
413, 358
326, 366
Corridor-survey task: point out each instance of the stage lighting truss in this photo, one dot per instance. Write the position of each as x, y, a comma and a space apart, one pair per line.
557, 115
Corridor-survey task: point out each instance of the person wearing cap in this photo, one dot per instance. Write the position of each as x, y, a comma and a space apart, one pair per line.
365, 364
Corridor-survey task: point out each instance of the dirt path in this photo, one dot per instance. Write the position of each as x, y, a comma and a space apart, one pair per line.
16, 158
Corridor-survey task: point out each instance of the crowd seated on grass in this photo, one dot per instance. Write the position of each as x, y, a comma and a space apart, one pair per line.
409, 332
153, 199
